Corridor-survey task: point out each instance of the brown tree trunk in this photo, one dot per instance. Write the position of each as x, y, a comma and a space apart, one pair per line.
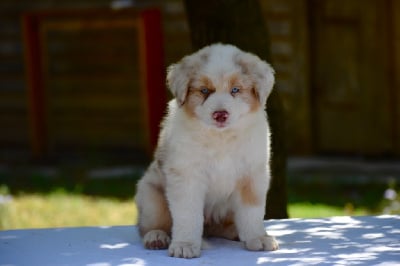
240, 22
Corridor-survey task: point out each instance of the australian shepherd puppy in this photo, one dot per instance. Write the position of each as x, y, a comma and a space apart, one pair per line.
210, 173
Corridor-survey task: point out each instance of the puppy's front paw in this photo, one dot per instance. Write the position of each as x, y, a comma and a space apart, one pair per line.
156, 239
185, 250
266, 242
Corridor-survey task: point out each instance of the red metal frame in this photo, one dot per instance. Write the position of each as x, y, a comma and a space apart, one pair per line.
152, 65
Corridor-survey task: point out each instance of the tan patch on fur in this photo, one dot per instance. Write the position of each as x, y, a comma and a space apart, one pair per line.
224, 228
246, 188
174, 171
251, 98
205, 82
247, 91
228, 221
194, 97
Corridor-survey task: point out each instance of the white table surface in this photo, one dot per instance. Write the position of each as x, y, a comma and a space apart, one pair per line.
371, 240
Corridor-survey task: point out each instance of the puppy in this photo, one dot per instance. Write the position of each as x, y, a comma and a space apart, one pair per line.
210, 173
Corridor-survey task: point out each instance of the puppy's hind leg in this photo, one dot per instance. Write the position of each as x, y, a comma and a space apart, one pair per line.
154, 216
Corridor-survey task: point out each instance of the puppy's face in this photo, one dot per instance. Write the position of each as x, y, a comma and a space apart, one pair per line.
220, 84
220, 101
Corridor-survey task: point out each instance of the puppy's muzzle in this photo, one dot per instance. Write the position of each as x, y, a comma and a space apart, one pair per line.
220, 116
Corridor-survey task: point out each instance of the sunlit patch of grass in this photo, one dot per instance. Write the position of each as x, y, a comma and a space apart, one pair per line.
61, 209
309, 210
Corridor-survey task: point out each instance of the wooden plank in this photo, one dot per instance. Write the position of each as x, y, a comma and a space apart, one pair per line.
14, 127
111, 103
75, 85
393, 17
12, 100
351, 114
100, 132
47, 106
396, 85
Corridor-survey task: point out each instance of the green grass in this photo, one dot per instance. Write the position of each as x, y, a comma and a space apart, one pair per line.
60, 209
309, 210
39, 202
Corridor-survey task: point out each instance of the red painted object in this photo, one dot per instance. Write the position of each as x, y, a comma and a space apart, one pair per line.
151, 51
155, 70
35, 82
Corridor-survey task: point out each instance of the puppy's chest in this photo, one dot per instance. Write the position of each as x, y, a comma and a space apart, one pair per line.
223, 174
223, 159
220, 187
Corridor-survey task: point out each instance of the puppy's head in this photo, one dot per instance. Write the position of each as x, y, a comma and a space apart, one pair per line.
220, 84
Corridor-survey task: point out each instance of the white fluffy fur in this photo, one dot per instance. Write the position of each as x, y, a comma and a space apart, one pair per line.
210, 177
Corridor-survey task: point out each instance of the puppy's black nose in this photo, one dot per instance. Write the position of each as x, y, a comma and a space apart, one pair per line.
220, 116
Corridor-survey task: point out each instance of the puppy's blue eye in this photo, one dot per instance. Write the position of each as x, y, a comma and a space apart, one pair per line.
205, 91
235, 90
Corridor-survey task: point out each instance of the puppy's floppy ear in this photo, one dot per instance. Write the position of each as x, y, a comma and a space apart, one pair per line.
261, 73
178, 81
180, 75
